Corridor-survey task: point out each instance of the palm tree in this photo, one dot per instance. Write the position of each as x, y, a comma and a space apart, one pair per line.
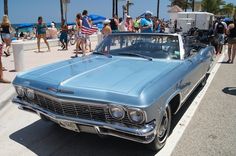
61, 7
184, 4
228, 9
212, 6
6, 7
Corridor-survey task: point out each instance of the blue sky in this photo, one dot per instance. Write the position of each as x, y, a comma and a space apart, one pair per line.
27, 11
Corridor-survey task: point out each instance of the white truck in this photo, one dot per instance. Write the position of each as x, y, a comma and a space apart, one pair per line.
201, 20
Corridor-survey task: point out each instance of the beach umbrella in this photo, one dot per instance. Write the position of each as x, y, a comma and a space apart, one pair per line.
228, 20
23, 25
95, 17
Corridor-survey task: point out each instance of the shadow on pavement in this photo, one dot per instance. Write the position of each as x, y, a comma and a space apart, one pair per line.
46, 138
229, 90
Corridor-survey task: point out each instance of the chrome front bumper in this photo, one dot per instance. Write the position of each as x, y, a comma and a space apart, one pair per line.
146, 134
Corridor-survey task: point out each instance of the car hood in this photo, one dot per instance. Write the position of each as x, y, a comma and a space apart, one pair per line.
100, 73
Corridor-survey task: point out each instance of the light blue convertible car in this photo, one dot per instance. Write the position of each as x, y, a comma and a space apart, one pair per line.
129, 87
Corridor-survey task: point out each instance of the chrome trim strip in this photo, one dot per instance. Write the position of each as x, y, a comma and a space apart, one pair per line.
133, 134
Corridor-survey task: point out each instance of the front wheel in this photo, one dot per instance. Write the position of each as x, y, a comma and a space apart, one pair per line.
163, 131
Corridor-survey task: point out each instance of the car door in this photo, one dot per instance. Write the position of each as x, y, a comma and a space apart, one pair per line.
193, 72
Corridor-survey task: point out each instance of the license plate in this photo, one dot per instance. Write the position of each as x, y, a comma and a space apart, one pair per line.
69, 125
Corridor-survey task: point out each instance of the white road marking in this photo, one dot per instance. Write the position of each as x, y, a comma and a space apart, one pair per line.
186, 118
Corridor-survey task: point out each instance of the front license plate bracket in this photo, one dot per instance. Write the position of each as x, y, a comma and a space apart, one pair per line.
69, 125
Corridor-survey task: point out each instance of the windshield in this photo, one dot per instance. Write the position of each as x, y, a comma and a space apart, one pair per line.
136, 45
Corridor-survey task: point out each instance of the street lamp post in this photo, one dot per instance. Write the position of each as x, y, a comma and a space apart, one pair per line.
61, 7
113, 7
6, 7
116, 7
193, 5
158, 8
65, 4
186, 6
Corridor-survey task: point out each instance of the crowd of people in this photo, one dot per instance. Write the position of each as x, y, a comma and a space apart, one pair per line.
147, 23
225, 33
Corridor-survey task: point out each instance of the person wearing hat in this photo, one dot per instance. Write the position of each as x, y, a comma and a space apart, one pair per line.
146, 24
106, 30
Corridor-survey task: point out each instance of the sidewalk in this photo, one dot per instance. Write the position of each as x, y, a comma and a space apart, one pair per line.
31, 59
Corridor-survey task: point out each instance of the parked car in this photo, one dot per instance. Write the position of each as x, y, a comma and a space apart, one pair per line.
129, 87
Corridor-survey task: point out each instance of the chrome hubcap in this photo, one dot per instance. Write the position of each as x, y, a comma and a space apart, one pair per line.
163, 128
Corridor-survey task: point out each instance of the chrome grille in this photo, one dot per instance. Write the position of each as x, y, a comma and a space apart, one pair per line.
79, 110
83, 111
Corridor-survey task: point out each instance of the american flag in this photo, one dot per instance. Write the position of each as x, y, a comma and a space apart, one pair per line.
88, 30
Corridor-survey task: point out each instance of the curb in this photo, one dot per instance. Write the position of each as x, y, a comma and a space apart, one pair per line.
7, 96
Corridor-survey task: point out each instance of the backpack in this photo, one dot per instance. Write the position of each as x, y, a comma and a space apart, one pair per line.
220, 28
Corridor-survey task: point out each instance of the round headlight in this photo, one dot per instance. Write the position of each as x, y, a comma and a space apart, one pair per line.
20, 91
117, 112
136, 116
30, 94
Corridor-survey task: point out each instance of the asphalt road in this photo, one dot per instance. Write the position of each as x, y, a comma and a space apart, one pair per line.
211, 131
25, 134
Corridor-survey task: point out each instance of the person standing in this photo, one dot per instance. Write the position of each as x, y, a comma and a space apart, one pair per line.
136, 24
231, 32
114, 23
106, 30
79, 36
146, 23
220, 30
129, 24
41, 32
6, 33
52, 32
86, 23
2, 80
63, 36
156, 25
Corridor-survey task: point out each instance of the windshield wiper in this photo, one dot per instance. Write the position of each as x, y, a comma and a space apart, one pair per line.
101, 53
135, 54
